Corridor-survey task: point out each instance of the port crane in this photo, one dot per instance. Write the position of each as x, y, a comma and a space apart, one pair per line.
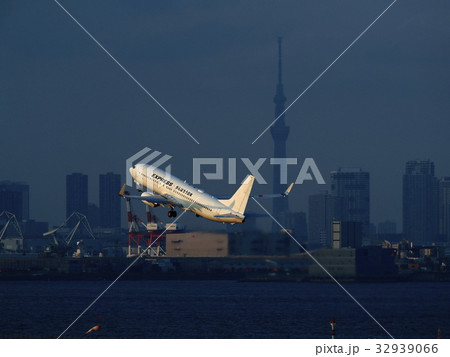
154, 227
62, 245
11, 220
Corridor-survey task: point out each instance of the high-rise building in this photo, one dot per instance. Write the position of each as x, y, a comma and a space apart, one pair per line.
420, 218
351, 187
109, 186
321, 213
346, 234
279, 133
444, 209
76, 194
15, 198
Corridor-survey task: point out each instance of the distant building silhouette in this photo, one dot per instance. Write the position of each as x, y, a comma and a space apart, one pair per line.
347, 234
109, 187
15, 198
33, 229
444, 209
351, 187
93, 215
296, 221
420, 202
76, 194
279, 133
387, 231
321, 213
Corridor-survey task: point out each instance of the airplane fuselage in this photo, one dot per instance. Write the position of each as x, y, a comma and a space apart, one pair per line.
178, 193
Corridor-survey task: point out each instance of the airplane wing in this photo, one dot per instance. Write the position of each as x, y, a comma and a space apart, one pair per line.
270, 195
156, 199
275, 195
146, 196
228, 215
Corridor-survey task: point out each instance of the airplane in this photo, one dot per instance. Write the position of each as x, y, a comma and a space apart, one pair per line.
165, 189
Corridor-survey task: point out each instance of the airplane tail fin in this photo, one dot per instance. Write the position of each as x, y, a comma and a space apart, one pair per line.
238, 202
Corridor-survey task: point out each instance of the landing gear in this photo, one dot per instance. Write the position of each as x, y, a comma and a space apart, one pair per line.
172, 213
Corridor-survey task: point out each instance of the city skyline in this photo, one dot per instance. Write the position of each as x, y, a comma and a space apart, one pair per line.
331, 200
67, 107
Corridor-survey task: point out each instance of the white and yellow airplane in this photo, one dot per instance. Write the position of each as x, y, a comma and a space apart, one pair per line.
167, 190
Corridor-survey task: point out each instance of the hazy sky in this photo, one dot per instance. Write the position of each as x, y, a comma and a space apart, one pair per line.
66, 107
